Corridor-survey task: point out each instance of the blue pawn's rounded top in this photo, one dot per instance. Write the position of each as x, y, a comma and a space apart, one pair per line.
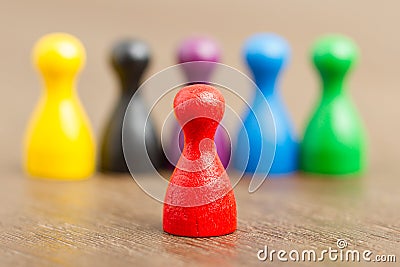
266, 53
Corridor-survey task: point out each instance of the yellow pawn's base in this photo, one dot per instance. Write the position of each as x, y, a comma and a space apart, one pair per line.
46, 176
51, 174
59, 168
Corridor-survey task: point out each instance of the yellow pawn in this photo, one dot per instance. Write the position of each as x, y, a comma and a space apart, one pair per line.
59, 144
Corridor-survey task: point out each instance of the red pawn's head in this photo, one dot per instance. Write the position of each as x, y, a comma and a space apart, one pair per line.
199, 101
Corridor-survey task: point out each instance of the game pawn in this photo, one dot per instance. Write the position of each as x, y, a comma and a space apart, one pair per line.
59, 143
199, 201
334, 140
204, 51
129, 59
266, 56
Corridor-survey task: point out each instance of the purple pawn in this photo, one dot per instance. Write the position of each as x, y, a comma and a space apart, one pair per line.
190, 50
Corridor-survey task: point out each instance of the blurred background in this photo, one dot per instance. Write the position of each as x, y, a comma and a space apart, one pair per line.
163, 24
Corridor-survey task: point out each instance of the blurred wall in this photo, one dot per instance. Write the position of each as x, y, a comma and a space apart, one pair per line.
372, 24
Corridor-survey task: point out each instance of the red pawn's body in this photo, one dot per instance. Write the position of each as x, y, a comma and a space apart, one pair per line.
199, 201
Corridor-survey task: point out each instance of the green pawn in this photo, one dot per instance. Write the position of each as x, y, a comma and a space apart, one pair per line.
334, 140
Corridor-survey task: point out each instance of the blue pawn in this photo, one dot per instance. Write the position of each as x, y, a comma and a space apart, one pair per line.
266, 55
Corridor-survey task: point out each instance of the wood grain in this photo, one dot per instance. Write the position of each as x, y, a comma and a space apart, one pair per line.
109, 221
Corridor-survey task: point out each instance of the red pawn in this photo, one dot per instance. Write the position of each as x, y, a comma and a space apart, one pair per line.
199, 201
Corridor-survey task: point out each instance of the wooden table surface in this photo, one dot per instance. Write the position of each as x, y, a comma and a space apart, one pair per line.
110, 221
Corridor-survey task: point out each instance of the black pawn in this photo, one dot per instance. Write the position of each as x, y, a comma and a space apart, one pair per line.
129, 59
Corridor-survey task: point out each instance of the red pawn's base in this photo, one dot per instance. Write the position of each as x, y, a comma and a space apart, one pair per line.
213, 219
